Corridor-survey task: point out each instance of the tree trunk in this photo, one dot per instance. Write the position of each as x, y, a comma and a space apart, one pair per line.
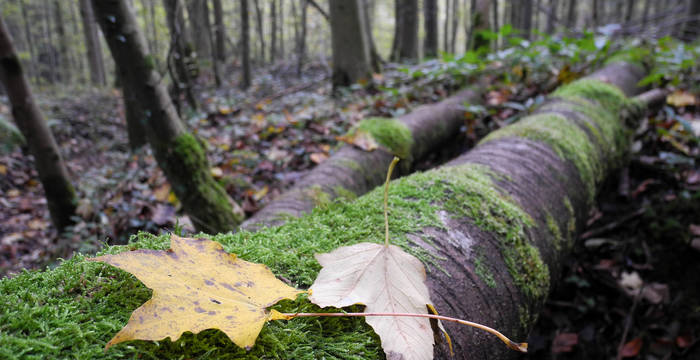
692, 27
358, 171
645, 12
301, 44
571, 16
198, 24
480, 23
445, 27
210, 35
430, 43
351, 53
595, 13
63, 44
177, 55
245, 44
496, 25
30, 39
377, 61
92, 44
50, 56
455, 26
525, 17
551, 16
219, 31
273, 31
282, 42
261, 32
630, 11
405, 46
53, 175
178, 153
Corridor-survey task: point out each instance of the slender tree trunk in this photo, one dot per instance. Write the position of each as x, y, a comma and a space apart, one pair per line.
480, 23
430, 12
692, 27
198, 23
63, 44
154, 28
367, 9
92, 44
352, 60
405, 45
645, 12
571, 17
178, 153
273, 31
177, 55
455, 26
260, 29
445, 27
245, 44
219, 30
526, 18
551, 17
78, 61
53, 175
212, 46
301, 45
629, 13
282, 42
50, 60
496, 25
30, 39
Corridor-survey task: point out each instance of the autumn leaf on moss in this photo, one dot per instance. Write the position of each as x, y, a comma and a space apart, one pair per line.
198, 286
387, 280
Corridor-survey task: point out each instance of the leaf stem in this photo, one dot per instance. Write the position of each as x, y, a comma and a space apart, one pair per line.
522, 347
386, 199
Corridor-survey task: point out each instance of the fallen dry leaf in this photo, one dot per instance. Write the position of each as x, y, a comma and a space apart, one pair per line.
198, 286
631, 348
387, 280
318, 158
680, 98
360, 138
564, 342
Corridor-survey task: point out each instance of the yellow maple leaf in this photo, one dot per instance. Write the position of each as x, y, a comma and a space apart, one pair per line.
198, 286
680, 98
387, 280
360, 138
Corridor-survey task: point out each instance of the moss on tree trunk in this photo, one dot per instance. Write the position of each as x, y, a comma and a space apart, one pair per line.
493, 227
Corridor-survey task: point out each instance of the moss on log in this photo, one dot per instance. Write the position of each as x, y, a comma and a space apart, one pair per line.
492, 226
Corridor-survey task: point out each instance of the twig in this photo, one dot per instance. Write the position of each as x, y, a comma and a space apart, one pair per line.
522, 347
628, 324
652, 97
386, 199
319, 8
612, 225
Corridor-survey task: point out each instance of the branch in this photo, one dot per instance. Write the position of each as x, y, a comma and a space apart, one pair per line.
319, 8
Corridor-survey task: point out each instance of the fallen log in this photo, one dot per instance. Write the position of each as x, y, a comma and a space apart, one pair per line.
493, 226
353, 171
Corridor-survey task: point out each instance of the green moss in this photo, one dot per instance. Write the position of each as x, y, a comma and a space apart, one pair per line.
390, 133
150, 62
319, 197
350, 164
635, 56
483, 272
344, 194
571, 224
554, 230
73, 310
568, 140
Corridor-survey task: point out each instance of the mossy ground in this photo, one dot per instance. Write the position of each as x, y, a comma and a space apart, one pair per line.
73, 310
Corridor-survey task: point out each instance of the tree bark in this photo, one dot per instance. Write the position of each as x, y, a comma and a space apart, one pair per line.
301, 44
480, 23
692, 27
178, 153
455, 25
261, 32
430, 43
60, 195
198, 22
446, 27
359, 171
551, 16
351, 53
63, 44
92, 44
376, 59
273, 31
219, 31
245, 45
177, 54
571, 16
406, 31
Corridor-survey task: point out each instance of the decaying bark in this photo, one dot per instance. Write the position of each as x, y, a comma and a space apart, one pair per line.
358, 171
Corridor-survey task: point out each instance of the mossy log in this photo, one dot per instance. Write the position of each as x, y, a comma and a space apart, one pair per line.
493, 227
352, 172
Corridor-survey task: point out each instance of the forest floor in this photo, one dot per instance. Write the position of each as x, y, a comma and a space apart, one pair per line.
624, 294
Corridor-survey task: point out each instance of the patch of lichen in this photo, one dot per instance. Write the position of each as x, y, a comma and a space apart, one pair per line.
567, 139
390, 133
73, 310
554, 230
482, 271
